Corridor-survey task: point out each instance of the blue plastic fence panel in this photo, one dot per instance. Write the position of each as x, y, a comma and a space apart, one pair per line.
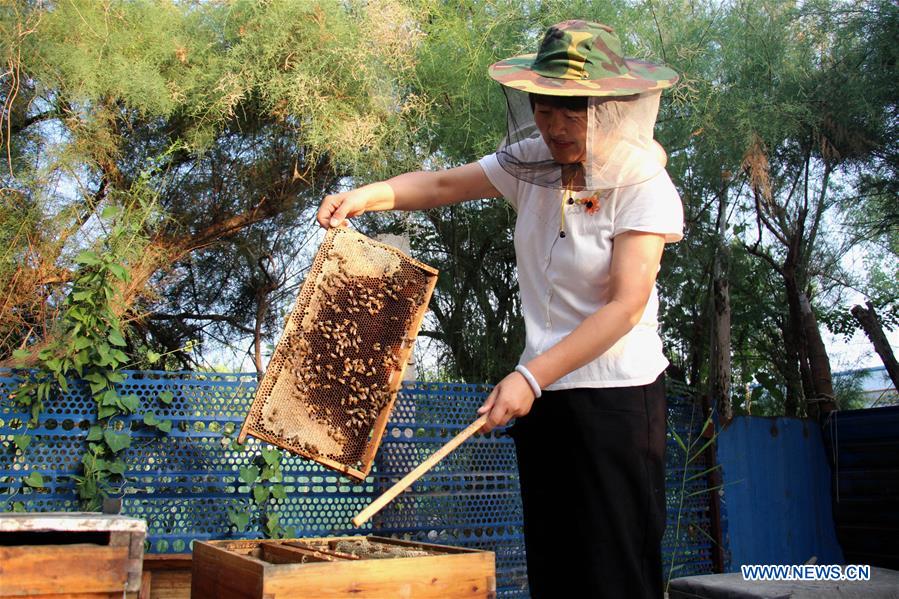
863, 448
687, 546
777, 492
185, 483
471, 497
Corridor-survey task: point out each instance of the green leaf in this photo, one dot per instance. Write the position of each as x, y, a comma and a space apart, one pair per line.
166, 397
95, 433
150, 419
249, 474
118, 271
117, 467
111, 212
22, 441
63, 384
106, 411
115, 377
35, 480
78, 315
260, 494
678, 439
115, 337
87, 258
103, 350
95, 377
239, 519
53, 364
18, 506
278, 492
117, 441
109, 398
705, 472
290, 532
131, 403
21, 354
80, 296
272, 456
165, 426
153, 357
273, 523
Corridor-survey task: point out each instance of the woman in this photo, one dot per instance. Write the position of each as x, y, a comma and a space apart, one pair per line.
595, 208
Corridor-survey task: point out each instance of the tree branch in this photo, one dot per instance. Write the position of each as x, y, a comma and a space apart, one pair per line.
211, 317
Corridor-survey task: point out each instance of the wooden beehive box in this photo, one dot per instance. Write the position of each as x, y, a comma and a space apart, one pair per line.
340, 567
332, 381
166, 576
77, 555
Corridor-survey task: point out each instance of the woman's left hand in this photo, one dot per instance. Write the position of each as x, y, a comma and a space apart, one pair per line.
510, 398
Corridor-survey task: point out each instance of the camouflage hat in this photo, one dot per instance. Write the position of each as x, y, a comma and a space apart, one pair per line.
581, 58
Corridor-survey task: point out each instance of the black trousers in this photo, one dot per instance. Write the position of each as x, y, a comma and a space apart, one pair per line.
592, 468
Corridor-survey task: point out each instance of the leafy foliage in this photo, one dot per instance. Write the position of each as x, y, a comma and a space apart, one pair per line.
89, 347
266, 486
233, 119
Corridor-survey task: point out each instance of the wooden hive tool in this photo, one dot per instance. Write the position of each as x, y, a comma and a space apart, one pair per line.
390, 494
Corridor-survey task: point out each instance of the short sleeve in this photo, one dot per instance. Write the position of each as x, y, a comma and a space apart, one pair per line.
504, 182
653, 206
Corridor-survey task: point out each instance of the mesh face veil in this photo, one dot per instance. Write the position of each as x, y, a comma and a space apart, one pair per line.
618, 147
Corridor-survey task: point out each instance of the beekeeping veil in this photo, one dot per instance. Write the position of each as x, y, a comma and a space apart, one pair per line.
582, 59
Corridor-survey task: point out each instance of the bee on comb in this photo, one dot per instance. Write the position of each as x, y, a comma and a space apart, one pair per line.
335, 373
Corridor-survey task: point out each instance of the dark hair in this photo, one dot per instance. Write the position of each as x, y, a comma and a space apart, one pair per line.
566, 102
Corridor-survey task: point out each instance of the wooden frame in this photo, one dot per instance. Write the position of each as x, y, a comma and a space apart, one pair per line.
314, 568
305, 400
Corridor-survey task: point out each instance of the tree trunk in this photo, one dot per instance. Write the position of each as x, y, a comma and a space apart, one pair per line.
720, 371
698, 349
261, 309
873, 329
823, 401
798, 378
721, 364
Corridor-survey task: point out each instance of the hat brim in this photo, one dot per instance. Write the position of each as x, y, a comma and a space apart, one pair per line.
642, 77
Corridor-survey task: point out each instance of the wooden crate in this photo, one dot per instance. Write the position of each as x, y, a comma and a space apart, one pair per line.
166, 576
76, 555
326, 569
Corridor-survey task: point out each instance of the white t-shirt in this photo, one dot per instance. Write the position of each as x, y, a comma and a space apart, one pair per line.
563, 280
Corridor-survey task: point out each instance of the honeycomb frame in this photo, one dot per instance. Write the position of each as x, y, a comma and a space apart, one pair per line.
334, 376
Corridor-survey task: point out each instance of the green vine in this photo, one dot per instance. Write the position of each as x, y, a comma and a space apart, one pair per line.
91, 347
265, 482
34, 481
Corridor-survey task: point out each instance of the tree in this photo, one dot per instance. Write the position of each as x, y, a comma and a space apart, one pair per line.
217, 128
231, 130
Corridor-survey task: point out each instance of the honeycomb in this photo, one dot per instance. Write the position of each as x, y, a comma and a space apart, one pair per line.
333, 378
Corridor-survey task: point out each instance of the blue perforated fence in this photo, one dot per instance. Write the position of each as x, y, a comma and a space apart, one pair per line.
184, 483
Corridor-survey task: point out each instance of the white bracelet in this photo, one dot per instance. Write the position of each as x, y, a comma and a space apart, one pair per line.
532, 382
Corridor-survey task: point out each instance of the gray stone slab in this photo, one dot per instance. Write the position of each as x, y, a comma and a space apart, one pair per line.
884, 584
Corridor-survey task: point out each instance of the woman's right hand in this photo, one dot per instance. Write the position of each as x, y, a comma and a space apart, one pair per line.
336, 208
